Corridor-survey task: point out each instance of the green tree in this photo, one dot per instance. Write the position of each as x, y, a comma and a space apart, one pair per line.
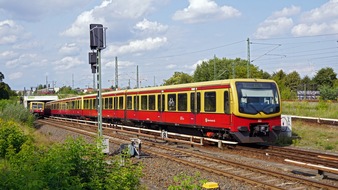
67, 90
179, 78
2, 77
293, 80
5, 91
217, 69
325, 77
328, 93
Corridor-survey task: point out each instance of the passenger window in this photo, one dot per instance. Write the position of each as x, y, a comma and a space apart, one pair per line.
136, 102
172, 102
196, 101
210, 101
121, 102
151, 102
116, 102
110, 103
129, 102
160, 103
182, 102
144, 102
226, 102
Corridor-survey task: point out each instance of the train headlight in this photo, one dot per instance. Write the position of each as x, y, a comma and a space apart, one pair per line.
242, 128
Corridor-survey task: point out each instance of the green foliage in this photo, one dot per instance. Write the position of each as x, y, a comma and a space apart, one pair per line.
11, 138
67, 90
328, 93
186, 182
179, 78
218, 69
5, 91
16, 112
325, 77
72, 165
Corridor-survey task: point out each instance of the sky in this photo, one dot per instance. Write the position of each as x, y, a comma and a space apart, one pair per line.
47, 41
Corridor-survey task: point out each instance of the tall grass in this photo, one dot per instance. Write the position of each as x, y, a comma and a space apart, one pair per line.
12, 111
322, 109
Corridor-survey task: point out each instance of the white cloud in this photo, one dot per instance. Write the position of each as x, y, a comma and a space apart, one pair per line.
69, 49
36, 10
26, 60
279, 23
171, 66
204, 10
66, 63
9, 32
322, 20
138, 46
146, 25
113, 11
15, 75
8, 55
327, 11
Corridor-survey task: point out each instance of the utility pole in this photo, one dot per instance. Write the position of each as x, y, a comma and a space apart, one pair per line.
116, 74
248, 63
72, 81
137, 79
214, 67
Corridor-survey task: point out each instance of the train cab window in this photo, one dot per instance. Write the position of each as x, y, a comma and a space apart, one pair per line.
210, 101
152, 102
182, 102
136, 101
121, 102
172, 102
116, 102
129, 102
226, 102
160, 102
195, 101
144, 102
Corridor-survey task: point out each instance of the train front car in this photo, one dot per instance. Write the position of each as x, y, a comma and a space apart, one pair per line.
256, 111
37, 109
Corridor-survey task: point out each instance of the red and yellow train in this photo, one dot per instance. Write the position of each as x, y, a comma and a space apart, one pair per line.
244, 110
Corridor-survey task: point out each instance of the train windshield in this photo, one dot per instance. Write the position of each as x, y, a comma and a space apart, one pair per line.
257, 97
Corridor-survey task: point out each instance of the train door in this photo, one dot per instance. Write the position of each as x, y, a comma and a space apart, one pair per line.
160, 106
195, 106
136, 106
227, 108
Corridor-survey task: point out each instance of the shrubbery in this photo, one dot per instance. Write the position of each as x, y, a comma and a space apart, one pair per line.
73, 165
10, 110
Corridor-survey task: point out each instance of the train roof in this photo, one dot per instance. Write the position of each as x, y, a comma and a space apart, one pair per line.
168, 87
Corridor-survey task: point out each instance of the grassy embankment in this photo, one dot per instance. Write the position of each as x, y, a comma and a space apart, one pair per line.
313, 136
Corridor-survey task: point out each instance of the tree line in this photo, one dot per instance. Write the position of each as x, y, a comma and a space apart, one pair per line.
325, 81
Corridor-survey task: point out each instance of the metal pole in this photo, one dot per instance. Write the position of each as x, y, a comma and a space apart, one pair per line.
248, 63
99, 94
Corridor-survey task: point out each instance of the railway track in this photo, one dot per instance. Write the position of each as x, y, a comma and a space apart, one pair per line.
258, 177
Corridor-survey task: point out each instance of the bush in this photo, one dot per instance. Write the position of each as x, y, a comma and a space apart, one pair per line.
73, 165
17, 113
11, 138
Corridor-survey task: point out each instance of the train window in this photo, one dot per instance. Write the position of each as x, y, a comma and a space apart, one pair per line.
115, 103
226, 102
95, 103
152, 102
210, 101
136, 102
182, 102
172, 102
85, 102
195, 101
105, 103
110, 103
121, 102
160, 103
144, 102
129, 102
